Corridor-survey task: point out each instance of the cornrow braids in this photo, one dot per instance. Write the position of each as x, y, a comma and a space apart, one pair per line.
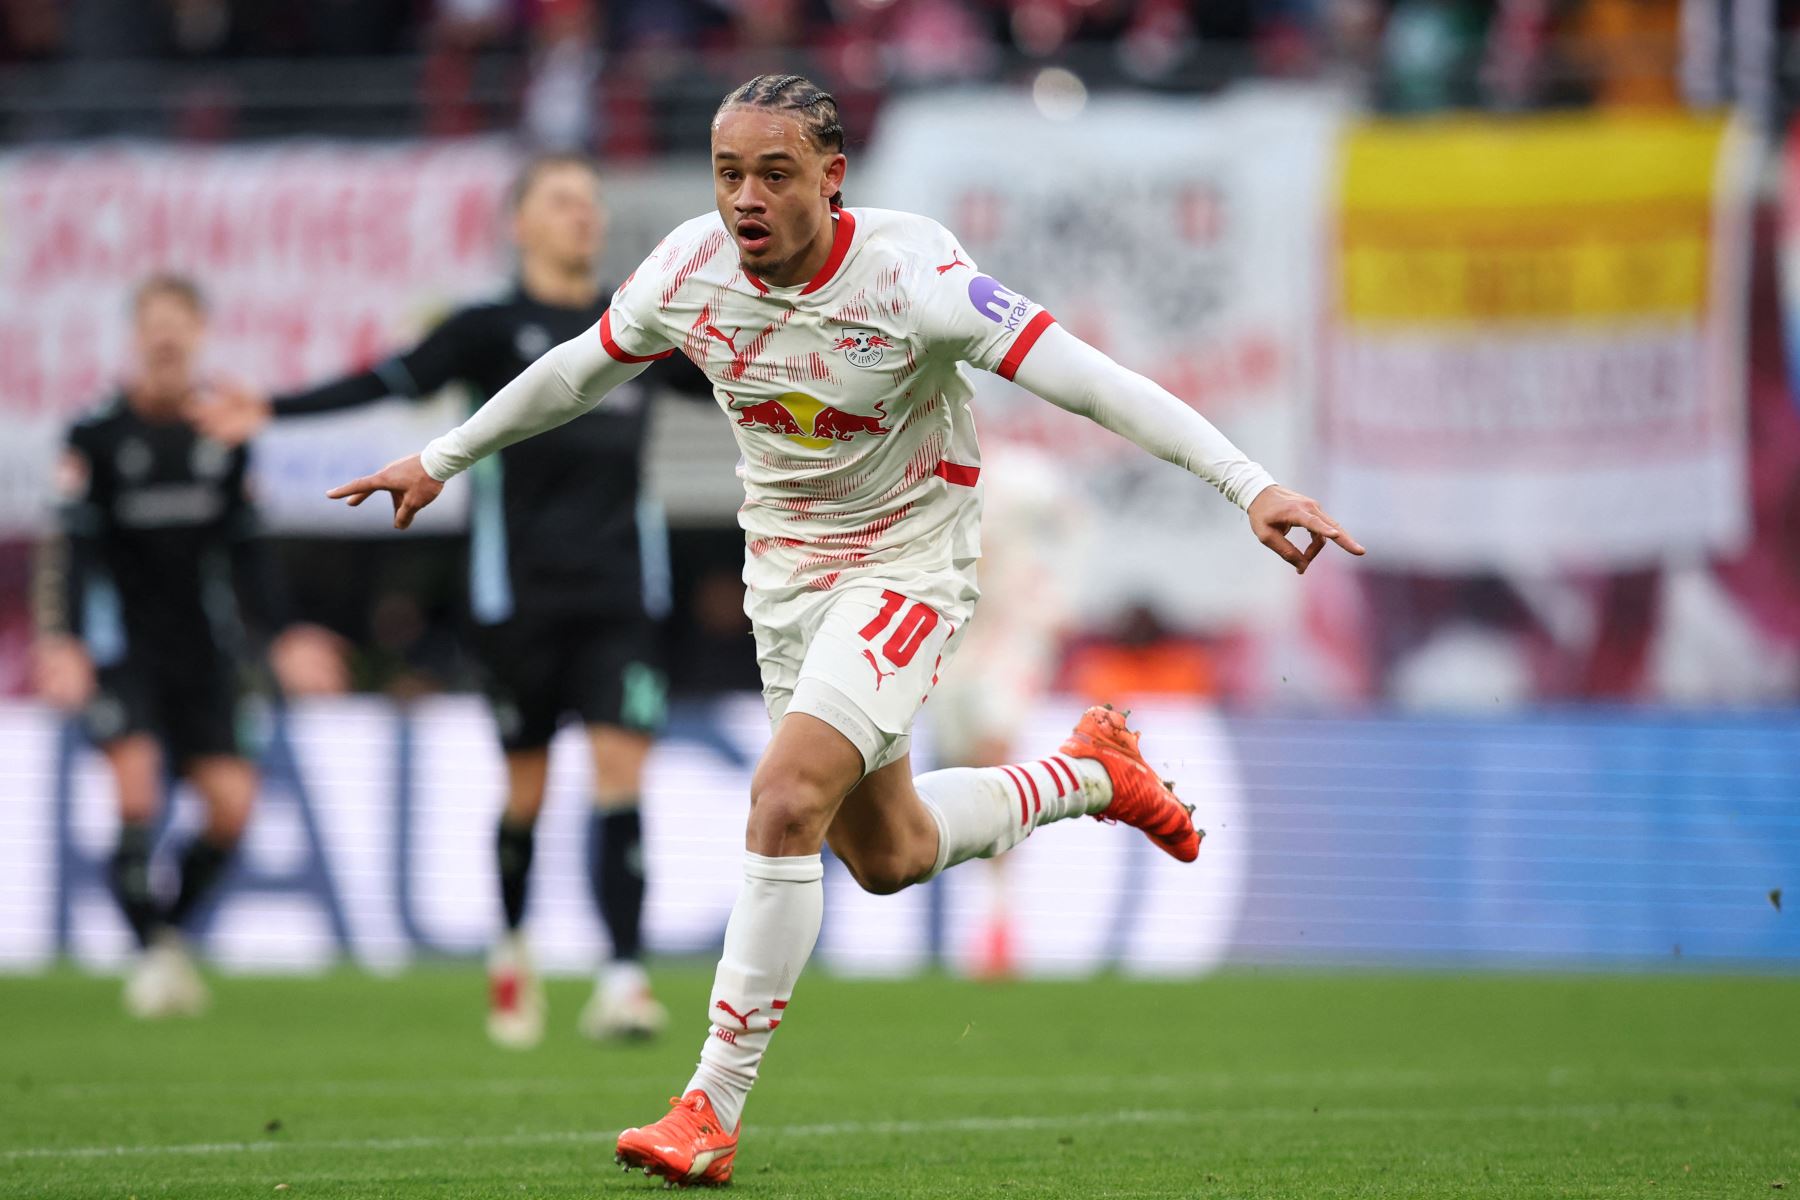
816, 109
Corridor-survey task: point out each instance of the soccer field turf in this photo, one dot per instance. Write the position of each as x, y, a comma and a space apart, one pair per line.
1247, 1084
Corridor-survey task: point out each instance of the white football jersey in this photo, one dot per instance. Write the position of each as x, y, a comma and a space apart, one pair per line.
846, 394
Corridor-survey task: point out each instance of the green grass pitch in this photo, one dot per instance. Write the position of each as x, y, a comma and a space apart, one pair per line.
1246, 1084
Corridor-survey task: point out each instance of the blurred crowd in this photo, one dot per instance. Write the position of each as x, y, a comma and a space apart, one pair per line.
604, 74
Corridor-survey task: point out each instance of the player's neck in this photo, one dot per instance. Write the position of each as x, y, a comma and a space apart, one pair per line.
802, 269
158, 400
558, 285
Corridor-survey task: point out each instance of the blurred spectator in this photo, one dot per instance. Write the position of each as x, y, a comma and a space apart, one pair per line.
1430, 49
115, 29
1728, 52
565, 67
1626, 49
31, 29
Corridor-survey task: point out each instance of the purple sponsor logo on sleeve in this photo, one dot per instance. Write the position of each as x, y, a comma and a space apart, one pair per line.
998, 303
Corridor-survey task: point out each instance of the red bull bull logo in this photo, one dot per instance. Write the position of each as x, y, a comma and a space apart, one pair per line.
769, 415
808, 420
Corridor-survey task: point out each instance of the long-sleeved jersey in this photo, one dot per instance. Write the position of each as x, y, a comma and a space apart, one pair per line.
158, 540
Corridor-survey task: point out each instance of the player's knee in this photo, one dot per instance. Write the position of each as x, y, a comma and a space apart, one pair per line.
789, 807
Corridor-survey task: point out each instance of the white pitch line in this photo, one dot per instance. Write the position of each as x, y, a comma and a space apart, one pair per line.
983, 1124
1366, 1079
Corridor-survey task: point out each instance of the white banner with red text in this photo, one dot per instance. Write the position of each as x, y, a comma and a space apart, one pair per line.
315, 258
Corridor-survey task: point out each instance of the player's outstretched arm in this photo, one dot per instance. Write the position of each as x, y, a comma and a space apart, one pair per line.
234, 414
557, 388
1072, 375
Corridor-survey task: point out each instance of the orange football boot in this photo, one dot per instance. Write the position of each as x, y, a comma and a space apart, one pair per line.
687, 1148
1141, 798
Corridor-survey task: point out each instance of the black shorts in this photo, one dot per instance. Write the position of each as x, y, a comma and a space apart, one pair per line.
193, 708
601, 671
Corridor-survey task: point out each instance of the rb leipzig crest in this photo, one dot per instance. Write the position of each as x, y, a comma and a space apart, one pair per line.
863, 347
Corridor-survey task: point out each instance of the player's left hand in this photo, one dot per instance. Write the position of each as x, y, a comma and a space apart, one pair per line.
229, 412
309, 661
404, 479
1277, 509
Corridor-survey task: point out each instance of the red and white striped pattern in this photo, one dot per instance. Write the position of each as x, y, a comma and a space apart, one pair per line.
1051, 777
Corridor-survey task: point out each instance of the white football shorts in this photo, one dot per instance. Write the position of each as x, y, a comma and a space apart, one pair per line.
862, 659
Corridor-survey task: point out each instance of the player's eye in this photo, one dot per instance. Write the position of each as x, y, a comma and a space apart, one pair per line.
775, 177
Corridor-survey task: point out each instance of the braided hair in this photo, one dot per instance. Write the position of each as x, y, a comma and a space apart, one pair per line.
814, 107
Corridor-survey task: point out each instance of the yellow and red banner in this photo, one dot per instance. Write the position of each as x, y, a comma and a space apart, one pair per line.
1534, 340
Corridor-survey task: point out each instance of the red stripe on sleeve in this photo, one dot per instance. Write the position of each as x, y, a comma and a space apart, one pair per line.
1028, 336
1073, 782
958, 474
612, 347
1024, 812
1055, 778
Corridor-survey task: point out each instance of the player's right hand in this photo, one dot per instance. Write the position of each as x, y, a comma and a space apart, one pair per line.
230, 413
404, 479
1276, 509
62, 671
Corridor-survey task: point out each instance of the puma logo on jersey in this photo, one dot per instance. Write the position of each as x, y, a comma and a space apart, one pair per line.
879, 673
956, 260
713, 331
742, 1018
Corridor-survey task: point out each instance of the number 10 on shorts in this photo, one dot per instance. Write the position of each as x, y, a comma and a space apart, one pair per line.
909, 635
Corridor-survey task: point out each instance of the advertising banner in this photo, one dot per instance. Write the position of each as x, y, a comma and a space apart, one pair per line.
1534, 341
1626, 839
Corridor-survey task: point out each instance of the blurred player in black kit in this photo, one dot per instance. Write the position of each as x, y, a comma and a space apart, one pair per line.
557, 584
139, 626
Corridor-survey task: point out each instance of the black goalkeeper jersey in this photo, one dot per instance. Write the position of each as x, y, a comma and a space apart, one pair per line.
555, 523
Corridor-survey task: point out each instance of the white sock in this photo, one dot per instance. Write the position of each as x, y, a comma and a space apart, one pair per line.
984, 811
767, 941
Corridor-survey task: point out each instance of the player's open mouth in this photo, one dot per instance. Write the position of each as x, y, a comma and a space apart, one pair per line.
753, 236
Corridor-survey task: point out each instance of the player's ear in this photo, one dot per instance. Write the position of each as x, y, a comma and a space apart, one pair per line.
833, 182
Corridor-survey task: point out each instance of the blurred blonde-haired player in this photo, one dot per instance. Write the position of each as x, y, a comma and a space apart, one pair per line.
1032, 538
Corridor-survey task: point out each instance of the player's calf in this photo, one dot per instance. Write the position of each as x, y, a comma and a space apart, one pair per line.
882, 873
883, 834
